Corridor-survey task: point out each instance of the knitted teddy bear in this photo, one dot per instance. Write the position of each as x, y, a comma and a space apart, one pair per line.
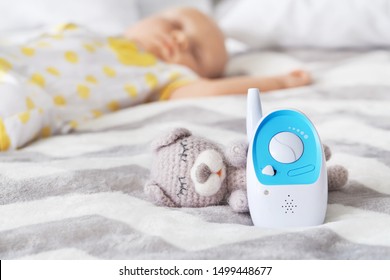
191, 171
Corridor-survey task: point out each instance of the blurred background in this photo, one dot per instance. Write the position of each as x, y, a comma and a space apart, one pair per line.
247, 24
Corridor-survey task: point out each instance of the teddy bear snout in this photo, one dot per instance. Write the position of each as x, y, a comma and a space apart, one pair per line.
208, 172
203, 173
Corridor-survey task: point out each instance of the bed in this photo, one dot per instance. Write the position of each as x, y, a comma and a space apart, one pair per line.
80, 196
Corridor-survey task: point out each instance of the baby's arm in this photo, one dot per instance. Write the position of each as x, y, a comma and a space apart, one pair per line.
236, 85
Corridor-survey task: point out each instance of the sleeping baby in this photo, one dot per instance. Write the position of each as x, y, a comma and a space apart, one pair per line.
70, 75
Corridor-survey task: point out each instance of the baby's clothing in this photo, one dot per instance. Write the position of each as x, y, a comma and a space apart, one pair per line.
63, 78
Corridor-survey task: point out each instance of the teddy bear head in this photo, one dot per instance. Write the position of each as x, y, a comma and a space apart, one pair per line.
187, 171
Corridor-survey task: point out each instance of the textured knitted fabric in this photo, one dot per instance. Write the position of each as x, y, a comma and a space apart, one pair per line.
337, 174
178, 168
175, 154
337, 177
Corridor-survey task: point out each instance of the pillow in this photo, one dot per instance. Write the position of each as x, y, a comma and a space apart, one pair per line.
262, 63
105, 16
148, 7
306, 23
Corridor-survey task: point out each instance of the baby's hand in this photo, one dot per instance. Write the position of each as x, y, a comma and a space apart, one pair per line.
296, 78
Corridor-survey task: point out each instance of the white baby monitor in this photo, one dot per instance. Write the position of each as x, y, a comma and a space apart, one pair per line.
286, 172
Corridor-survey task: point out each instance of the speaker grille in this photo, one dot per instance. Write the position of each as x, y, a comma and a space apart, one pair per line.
288, 205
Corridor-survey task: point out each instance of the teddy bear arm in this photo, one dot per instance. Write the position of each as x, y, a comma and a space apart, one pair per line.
236, 179
236, 154
238, 201
327, 152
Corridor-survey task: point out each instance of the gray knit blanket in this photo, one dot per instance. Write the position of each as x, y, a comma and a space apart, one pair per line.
80, 196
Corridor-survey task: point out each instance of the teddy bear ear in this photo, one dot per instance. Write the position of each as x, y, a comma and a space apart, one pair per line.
169, 138
156, 194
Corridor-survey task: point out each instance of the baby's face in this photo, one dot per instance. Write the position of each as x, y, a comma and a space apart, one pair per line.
183, 36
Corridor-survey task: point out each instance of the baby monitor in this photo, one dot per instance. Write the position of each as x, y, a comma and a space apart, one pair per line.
286, 172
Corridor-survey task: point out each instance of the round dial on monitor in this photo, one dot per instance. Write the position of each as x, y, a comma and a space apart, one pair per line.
286, 147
